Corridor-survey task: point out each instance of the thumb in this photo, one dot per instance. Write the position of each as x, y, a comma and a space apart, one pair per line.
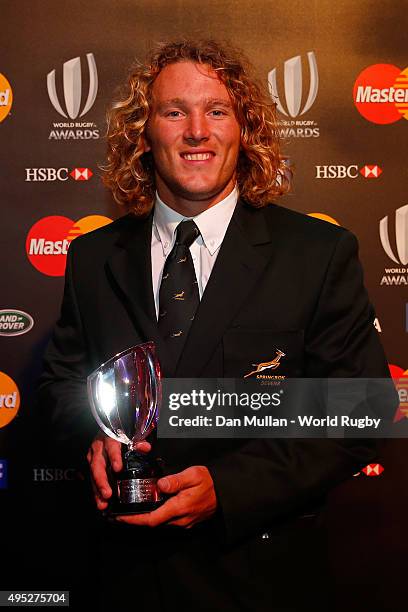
170, 484
143, 447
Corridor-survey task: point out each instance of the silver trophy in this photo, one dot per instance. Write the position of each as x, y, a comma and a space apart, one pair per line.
125, 396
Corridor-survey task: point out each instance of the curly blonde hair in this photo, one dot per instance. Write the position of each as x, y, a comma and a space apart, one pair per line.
262, 174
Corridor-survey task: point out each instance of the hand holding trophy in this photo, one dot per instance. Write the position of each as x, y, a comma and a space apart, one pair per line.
125, 396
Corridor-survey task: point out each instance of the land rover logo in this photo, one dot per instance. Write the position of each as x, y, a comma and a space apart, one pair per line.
15, 322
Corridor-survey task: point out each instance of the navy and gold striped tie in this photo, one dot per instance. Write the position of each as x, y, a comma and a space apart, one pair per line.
179, 296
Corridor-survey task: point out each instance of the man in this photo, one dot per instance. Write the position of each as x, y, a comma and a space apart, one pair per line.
194, 140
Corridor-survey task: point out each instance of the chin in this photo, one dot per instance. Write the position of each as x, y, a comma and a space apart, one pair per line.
197, 191
198, 194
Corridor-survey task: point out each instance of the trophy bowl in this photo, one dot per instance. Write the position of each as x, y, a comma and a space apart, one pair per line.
125, 396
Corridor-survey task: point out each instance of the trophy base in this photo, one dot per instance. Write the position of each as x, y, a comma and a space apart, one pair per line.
135, 488
127, 509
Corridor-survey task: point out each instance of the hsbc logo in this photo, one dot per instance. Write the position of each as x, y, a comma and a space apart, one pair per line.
81, 174
400, 378
370, 171
345, 172
372, 469
55, 474
57, 174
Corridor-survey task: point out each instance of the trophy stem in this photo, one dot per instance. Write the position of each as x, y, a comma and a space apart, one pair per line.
135, 488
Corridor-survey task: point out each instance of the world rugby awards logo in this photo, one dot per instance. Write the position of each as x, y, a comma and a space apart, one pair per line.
396, 276
293, 89
72, 89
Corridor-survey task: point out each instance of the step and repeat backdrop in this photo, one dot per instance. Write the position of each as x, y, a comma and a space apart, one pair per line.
338, 73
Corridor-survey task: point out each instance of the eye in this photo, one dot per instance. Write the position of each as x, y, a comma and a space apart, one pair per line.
175, 114
216, 112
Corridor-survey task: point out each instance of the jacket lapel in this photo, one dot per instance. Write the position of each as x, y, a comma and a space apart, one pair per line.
234, 278
129, 271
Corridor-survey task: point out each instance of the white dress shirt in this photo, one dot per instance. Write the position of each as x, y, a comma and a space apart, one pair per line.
212, 224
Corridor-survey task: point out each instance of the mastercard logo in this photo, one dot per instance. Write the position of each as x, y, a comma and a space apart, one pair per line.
48, 240
381, 93
6, 97
324, 217
9, 399
400, 377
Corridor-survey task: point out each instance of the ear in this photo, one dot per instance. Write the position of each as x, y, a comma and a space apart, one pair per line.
145, 142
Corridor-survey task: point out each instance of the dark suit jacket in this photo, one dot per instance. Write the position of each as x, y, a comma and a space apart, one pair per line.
281, 279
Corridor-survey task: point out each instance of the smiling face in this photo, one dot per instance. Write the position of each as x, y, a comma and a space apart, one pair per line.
194, 137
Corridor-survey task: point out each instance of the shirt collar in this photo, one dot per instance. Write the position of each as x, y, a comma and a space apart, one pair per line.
212, 222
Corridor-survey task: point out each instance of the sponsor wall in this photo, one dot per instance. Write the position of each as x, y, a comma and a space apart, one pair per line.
338, 76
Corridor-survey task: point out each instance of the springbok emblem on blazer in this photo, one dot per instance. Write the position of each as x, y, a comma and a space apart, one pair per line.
267, 365
179, 296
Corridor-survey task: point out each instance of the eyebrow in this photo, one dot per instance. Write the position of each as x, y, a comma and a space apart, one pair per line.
183, 101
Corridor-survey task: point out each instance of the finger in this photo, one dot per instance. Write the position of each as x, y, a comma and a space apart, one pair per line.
176, 482
170, 510
101, 503
100, 479
113, 451
185, 521
98, 469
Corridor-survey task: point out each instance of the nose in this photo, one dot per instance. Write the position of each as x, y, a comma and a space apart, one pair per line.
197, 130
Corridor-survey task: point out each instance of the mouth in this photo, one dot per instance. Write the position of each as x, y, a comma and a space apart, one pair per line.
198, 157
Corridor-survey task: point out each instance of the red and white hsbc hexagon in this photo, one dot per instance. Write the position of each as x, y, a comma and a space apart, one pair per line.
81, 174
373, 469
381, 93
400, 377
49, 238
